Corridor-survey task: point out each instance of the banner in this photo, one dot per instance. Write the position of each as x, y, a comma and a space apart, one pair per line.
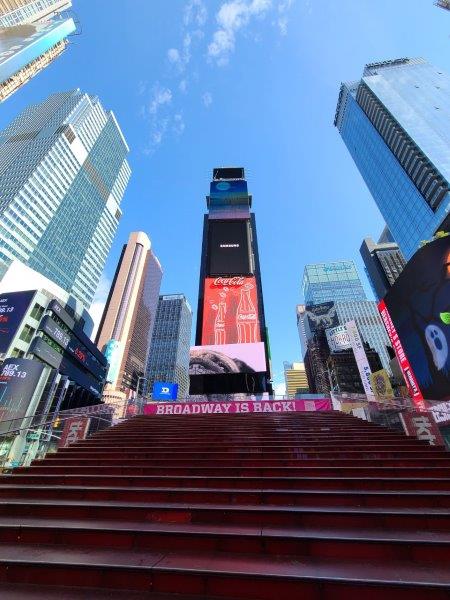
381, 386
360, 357
338, 338
75, 429
422, 426
203, 408
408, 374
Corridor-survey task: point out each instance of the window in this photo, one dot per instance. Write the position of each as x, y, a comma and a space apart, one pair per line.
27, 334
16, 353
37, 312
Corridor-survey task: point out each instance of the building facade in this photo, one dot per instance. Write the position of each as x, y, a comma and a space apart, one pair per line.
30, 39
383, 264
168, 359
127, 323
332, 282
344, 372
296, 379
63, 173
395, 123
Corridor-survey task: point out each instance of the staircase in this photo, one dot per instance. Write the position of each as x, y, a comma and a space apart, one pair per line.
313, 506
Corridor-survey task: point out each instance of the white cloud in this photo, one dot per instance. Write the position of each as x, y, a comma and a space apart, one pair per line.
282, 22
173, 55
207, 99
99, 302
183, 86
279, 389
232, 17
195, 13
159, 97
178, 124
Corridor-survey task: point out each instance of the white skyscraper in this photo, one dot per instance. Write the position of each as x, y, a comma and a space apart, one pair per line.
63, 173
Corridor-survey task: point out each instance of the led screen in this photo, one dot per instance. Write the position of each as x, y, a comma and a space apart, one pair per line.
230, 311
416, 312
321, 316
19, 378
227, 359
13, 307
228, 192
229, 248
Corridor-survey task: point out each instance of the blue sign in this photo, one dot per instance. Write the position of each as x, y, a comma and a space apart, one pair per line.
164, 391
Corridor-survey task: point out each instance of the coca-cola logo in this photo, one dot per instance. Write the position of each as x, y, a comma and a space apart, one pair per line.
231, 281
248, 317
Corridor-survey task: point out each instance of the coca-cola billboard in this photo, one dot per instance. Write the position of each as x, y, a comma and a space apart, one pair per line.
230, 311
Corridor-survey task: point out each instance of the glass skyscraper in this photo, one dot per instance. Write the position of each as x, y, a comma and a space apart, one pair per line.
331, 282
168, 359
63, 173
395, 123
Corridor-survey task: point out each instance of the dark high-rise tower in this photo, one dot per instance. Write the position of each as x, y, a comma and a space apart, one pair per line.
231, 353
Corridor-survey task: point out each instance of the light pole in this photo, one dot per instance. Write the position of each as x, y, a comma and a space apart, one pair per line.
140, 404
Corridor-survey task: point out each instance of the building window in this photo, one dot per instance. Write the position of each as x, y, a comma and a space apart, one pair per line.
27, 334
37, 312
16, 353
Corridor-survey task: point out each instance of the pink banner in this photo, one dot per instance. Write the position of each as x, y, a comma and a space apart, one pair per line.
203, 408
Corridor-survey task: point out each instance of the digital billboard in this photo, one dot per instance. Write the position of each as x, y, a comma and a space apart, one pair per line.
21, 44
321, 316
229, 251
230, 311
19, 378
13, 307
338, 338
228, 192
164, 391
229, 358
416, 313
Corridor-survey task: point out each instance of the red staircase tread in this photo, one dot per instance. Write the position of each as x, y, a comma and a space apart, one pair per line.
392, 572
391, 535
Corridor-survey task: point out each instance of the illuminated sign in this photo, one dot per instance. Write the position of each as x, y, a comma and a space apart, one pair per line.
229, 358
13, 307
164, 391
230, 311
229, 251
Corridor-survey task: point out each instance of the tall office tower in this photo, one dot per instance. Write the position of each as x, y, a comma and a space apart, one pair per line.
30, 39
63, 173
168, 359
330, 282
296, 379
395, 123
20, 12
370, 326
301, 315
384, 262
127, 323
443, 4
232, 352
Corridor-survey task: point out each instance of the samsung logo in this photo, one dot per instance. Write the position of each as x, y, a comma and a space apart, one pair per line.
229, 245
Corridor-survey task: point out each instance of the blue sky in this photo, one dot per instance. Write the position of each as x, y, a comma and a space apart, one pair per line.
253, 83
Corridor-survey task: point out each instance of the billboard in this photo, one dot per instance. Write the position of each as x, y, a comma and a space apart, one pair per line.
13, 307
75, 429
164, 391
230, 311
229, 358
228, 192
113, 352
321, 316
360, 357
21, 44
381, 386
19, 378
229, 251
338, 338
416, 313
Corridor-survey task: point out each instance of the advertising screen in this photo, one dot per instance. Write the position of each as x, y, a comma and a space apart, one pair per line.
164, 391
19, 378
416, 313
230, 311
321, 316
12, 310
22, 44
338, 338
230, 358
228, 192
229, 248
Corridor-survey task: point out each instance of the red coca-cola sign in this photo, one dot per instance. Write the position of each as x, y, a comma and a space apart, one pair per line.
230, 311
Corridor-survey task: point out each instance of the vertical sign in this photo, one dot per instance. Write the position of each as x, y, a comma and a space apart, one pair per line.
408, 374
360, 357
75, 429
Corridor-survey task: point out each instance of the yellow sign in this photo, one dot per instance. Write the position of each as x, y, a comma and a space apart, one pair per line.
381, 386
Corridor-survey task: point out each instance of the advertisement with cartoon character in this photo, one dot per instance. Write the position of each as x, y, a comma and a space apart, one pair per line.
418, 308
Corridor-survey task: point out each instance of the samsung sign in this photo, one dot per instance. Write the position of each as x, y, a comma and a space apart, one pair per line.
164, 391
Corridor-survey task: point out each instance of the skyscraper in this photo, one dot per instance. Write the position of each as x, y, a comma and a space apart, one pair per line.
384, 262
30, 39
168, 359
232, 352
331, 282
63, 173
395, 123
296, 379
128, 320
